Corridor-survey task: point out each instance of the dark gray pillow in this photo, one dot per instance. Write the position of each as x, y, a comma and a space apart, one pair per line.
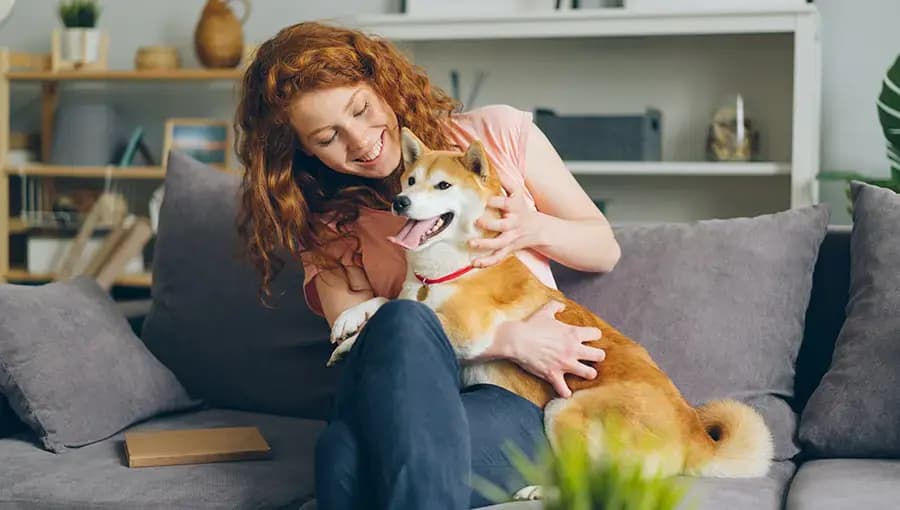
73, 369
719, 304
206, 322
855, 410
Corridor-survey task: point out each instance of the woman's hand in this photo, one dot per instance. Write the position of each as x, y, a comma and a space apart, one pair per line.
549, 348
519, 227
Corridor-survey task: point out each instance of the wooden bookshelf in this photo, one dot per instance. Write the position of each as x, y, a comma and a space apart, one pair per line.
20, 275
133, 172
20, 67
198, 74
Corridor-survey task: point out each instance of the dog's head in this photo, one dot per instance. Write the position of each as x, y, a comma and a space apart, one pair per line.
442, 193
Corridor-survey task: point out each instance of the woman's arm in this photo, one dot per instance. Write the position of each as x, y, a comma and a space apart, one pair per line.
571, 229
567, 226
336, 293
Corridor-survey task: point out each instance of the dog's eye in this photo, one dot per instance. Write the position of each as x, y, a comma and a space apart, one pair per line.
412, 180
443, 185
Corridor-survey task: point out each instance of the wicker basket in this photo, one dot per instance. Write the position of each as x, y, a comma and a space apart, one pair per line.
157, 57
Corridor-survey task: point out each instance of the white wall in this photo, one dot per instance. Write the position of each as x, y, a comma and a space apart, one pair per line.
133, 23
860, 40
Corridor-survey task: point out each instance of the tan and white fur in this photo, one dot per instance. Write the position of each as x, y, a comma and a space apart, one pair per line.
722, 438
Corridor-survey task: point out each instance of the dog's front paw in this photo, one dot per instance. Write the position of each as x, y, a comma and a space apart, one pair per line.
351, 320
531, 492
341, 350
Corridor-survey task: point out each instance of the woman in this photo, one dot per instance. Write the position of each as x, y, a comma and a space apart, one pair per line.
318, 124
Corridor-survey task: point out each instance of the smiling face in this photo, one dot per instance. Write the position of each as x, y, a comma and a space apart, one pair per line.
443, 193
352, 130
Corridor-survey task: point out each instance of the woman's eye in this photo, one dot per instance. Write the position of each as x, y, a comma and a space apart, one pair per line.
326, 142
364, 108
412, 180
443, 185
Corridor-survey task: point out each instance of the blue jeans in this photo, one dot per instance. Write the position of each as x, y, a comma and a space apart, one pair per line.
404, 435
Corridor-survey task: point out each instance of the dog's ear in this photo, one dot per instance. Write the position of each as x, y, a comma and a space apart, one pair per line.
411, 147
475, 160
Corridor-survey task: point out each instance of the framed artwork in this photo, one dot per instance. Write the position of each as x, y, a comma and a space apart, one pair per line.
209, 141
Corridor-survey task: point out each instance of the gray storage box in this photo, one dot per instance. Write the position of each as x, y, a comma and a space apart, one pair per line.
603, 137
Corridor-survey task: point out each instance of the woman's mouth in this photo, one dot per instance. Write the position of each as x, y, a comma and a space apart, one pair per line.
374, 153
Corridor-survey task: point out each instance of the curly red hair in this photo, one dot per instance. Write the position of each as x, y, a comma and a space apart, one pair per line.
285, 193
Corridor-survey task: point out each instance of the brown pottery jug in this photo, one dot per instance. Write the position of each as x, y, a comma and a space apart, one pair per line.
219, 36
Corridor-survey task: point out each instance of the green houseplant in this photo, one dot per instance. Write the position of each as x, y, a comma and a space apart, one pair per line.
80, 37
570, 479
888, 106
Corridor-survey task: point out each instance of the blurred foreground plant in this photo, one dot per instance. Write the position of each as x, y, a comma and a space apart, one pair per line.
571, 480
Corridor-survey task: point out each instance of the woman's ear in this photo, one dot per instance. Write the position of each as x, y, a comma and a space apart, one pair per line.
411, 147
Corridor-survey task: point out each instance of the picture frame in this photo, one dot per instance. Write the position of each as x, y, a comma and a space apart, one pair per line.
209, 141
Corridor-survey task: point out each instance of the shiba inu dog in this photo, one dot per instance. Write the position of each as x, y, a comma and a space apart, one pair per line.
443, 194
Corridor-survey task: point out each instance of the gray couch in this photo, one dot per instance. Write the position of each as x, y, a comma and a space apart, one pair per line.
264, 366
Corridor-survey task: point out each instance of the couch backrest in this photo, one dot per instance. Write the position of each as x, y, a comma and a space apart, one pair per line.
825, 316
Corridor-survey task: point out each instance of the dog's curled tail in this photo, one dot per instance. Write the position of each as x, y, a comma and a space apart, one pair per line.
741, 442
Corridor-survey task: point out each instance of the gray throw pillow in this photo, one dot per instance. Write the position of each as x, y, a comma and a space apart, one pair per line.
719, 304
72, 368
206, 322
855, 410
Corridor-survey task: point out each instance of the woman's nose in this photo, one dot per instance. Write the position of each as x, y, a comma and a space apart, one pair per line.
358, 138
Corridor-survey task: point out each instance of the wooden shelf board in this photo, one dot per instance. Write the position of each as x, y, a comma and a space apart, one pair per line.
662, 168
17, 226
135, 172
197, 74
126, 280
611, 22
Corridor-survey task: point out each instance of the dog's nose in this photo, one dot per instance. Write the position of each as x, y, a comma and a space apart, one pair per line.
401, 203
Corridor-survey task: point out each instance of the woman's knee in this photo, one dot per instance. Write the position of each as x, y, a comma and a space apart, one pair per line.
402, 322
406, 332
401, 313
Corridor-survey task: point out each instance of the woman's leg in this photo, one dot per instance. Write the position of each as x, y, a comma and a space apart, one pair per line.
399, 395
500, 418
337, 465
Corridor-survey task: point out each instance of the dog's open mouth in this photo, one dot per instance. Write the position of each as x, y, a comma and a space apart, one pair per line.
416, 232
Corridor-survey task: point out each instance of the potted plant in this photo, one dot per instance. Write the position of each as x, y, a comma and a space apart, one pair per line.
81, 38
570, 479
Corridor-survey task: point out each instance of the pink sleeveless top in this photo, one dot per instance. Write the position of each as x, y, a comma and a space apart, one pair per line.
503, 131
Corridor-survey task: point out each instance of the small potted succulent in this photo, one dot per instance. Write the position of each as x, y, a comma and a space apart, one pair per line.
81, 38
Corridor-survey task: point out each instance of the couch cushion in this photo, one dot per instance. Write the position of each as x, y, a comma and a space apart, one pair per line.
718, 303
75, 372
855, 410
206, 322
839, 484
766, 493
97, 476
825, 315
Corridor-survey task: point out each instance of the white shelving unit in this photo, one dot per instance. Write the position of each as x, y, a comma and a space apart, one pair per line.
597, 61
665, 168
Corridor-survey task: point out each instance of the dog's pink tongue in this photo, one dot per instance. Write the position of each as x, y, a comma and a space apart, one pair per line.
410, 236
